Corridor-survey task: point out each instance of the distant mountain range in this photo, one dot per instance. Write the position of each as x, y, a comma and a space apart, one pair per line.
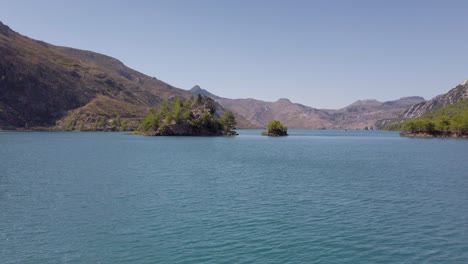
359, 115
46, 85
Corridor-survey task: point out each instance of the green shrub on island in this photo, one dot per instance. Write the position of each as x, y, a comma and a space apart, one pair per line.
276, 129
187, 118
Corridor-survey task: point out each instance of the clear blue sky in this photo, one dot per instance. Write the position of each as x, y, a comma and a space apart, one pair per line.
325, 54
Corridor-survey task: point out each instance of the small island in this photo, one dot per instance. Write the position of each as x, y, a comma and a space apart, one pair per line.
188, 118
276, 129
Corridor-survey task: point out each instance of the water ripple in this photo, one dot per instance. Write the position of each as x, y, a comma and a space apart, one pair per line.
314, 197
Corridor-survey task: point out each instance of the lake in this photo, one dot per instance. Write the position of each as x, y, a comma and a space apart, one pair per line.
311, 197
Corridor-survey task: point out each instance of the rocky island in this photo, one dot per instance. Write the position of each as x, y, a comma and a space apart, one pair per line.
197, 117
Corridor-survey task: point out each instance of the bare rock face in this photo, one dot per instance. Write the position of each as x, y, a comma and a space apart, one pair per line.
458, 93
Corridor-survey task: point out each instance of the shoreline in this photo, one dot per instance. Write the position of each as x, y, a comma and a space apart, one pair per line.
435, 134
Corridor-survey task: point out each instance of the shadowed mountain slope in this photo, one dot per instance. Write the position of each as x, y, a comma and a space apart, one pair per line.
43, 85
40, 83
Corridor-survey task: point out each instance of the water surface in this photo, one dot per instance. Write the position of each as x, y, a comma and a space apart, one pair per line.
312, 197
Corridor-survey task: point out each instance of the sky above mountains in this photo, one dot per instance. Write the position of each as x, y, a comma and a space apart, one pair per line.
324, 54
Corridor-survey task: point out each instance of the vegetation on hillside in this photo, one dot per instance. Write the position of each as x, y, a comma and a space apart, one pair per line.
188, 118
275, 128
103, 114
449, 119
103, 123
41, 83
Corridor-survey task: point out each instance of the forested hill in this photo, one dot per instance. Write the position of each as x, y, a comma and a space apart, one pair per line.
449, 120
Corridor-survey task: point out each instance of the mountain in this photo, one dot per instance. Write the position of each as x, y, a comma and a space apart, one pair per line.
260, 112
46, 85
40, 82
448, 121
359, 115
197, 90
455, 95
368, 113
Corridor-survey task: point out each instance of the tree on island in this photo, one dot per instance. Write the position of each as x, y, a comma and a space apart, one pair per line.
276, 129
229, 123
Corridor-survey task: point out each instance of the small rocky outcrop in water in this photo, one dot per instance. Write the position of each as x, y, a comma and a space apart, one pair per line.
188, 118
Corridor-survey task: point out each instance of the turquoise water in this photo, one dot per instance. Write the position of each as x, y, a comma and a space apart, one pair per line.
312, 197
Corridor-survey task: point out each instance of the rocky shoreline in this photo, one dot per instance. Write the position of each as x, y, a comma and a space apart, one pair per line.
435, 134
186, 130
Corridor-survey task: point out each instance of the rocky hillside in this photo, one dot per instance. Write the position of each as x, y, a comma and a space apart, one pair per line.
455, 95
448, 121
368, 113
40, 82
46, 85
359, 115
260, 113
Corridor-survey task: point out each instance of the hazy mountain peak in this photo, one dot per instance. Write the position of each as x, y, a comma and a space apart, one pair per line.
284, 100
365, 102
197, 90
412, 98
5, 30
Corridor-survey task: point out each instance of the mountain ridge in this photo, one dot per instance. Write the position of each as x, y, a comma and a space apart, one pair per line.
46, 85
362, 114
454, 95
41, 82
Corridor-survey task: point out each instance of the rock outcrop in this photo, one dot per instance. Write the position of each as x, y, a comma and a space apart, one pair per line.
188, 118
